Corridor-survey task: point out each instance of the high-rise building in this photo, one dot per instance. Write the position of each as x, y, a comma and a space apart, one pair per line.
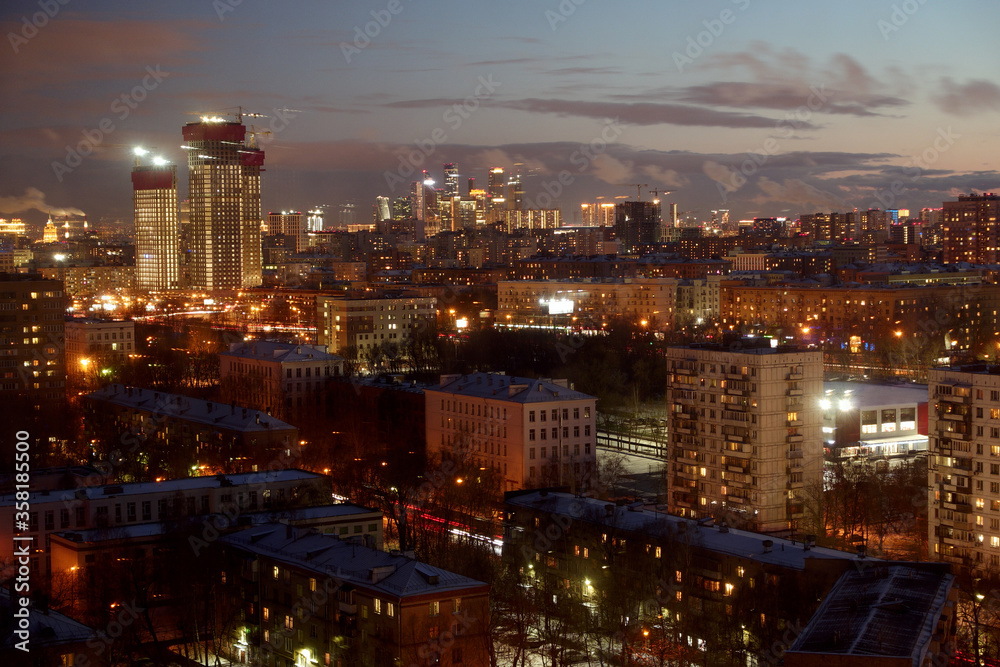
383, 209
314, 223
496, 189
451, 180
746, 441
224, 171
157, 230
637, 224
971, 230
964, 444
13, 226
515, 192
288, 224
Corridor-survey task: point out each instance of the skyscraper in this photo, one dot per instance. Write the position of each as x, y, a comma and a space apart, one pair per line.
451, 180
496, 187
382, 207
288, 224
224, 174
157, 234
637, 223
515, 192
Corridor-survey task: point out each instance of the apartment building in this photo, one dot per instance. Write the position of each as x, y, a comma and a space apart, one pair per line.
278, 378
964, 466
586, 304
306, 598
94, 344
533, 432
363, 323
691, 590
120, 505
745, 428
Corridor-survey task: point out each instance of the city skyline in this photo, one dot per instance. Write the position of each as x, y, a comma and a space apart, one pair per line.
878, 109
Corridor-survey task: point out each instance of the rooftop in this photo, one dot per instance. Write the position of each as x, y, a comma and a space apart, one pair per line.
701, 533
48, 628
348, 562
283, 352
890, 610
175, 406
502, 387
169, 486
870, 394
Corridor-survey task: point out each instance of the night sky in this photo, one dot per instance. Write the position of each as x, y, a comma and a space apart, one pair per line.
846, 104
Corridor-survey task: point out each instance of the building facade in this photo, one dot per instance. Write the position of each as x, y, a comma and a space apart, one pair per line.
224, 172
157, 228
32, 344
532, 432
746, 440
277, 378
970, 229
364, 323
95, 344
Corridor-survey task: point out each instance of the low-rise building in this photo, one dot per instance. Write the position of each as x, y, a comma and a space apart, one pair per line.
532, 432
366, 607
173, 434
586, 304
94, 344
278, 378
109, 506
874, 421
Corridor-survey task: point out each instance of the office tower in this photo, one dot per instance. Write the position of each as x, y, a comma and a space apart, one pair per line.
495, 188
314, 223
746, 441
970, 229
402, 208
472, 186
674, 222
637, 224
224, 174
288, 224
515, 192
451, 180
157, 231
382, 209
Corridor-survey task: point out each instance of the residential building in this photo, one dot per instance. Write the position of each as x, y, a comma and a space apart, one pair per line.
98, 505
532, 432
964, 466
637, 225
51, 638
224, 170
95, 344
586, 304
157, 228
970, 229
531, 218
363, 323
884, 616
366, 607
746, 440
288, 224
278, 378
688, 591
32, 347
173, 434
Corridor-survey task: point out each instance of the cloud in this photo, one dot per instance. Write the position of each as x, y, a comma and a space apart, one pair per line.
798, 192
965, 99
643, 113
33, 199
609, 169
668, 177
722, 175
786, 96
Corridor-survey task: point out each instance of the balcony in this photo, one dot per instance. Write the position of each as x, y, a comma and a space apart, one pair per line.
348, 608
795, 422
794, 376
739, 469
687, 460
736, 500
794, 454
953, 398
794, 438
684, 371
953, 416
746, 451
794, 392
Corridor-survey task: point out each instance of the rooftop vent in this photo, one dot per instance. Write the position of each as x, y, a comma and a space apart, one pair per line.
767, 544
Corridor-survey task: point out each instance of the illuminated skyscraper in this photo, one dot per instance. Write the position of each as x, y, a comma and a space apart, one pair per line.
224, 172
314, 222
451, 180
515, 192
496, 188
383, 209
157, 231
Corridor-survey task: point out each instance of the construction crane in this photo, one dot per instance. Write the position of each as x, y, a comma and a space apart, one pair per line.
656, 193
638, 188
